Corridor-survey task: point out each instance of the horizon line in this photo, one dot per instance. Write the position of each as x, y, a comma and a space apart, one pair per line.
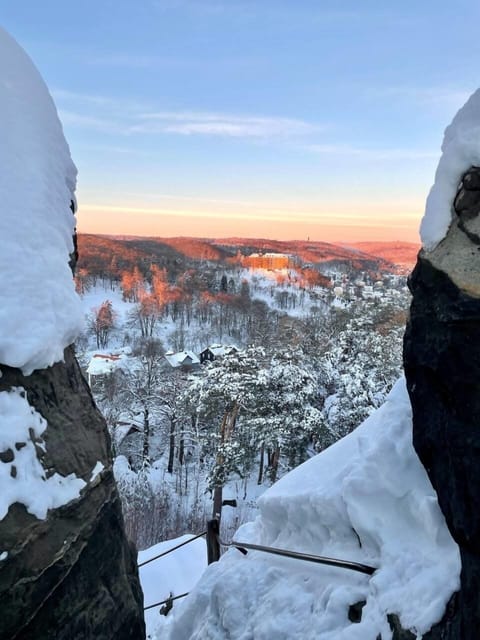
249, 238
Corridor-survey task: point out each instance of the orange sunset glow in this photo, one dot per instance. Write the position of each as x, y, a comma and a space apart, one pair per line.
357, 225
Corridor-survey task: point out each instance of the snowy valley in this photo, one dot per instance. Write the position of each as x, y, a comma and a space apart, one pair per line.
219, 375
289, 355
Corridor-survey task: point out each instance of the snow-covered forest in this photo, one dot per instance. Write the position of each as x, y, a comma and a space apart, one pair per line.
217, 377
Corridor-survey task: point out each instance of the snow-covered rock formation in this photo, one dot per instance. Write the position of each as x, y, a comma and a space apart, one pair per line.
460, 151
442, 356
66, 569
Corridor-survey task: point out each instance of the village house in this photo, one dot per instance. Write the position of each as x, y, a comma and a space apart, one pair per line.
102, 365
215, 351
183, 360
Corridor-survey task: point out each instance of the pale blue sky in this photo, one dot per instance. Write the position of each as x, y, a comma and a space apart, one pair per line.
270, 117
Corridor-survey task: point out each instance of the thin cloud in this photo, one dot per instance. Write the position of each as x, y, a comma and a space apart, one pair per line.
137, 61
202, 199
64, 94
115, 149
341, 209
100, 102
280, 215
145, 62
127, 60
125, 117
426, 96
88, 122
372, 154
252, 8
224, 125
313, 207
204, 6
193, 213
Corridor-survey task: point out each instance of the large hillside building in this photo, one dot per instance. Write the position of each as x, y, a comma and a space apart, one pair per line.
271, 261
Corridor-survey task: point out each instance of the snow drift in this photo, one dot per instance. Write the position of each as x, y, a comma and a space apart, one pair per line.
40, 312
368, 499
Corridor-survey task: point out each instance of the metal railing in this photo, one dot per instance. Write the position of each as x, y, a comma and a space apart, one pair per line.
168, 601
214, 543
332, 562
165, 553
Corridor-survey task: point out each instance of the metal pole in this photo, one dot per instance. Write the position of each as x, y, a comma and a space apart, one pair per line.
213, 545
333, 562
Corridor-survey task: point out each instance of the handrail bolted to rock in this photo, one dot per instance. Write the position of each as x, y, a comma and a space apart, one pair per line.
213, 551
333, 562
212, 532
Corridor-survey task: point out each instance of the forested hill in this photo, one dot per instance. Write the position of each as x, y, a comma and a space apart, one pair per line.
403, 254
106, 255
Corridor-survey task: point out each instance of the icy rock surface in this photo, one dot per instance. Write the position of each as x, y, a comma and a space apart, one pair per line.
40, 312
366, 499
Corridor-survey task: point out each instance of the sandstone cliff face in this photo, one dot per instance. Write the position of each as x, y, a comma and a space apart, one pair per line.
442, 367
72, 576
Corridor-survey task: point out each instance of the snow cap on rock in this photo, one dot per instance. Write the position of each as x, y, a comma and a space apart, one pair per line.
40, 313
460, 151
